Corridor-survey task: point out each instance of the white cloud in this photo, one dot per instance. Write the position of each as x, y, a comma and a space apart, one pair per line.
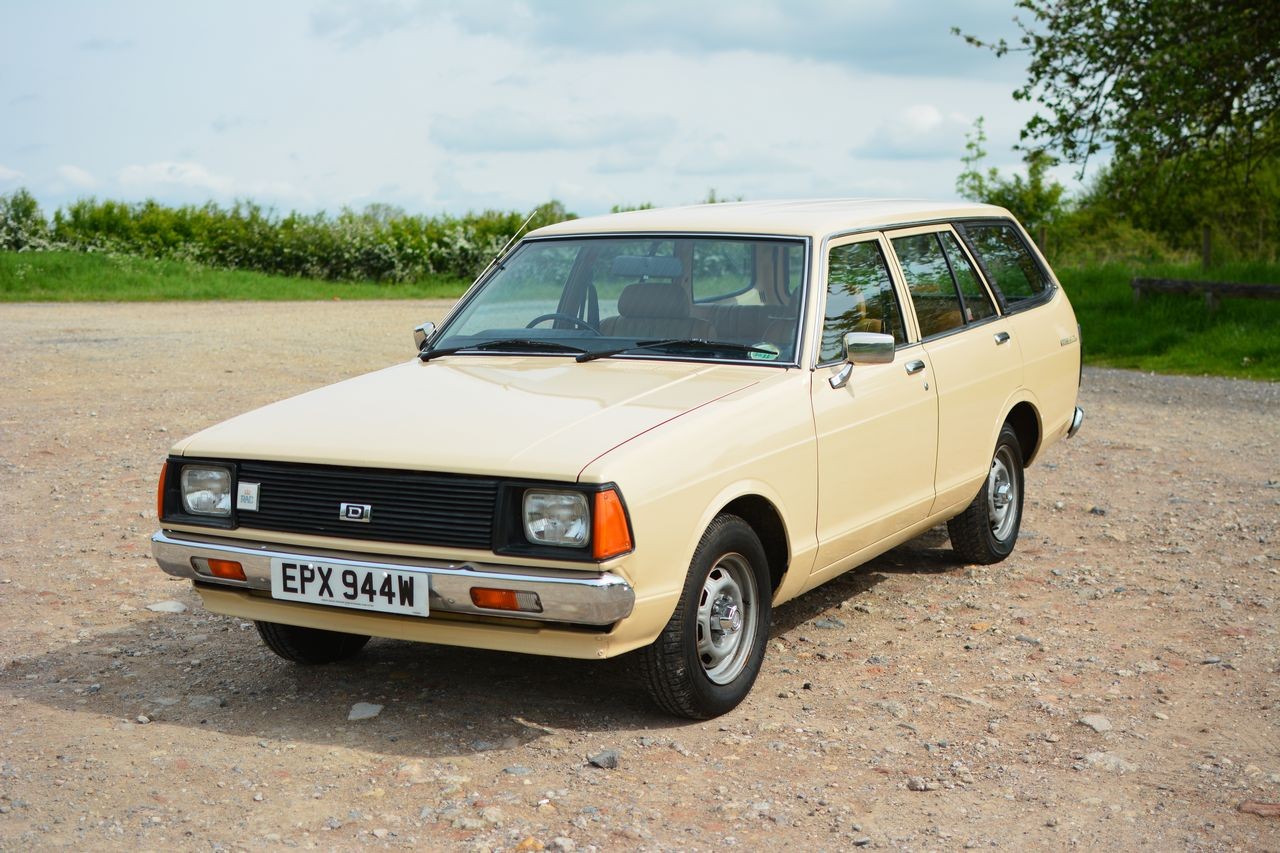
879, 36
919, 132
191, 179
7, 174
169, 173
75, 176
724, 157
513, 131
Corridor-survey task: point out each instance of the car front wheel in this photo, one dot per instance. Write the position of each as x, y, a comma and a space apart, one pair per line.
988, 528
309, 645
709, 654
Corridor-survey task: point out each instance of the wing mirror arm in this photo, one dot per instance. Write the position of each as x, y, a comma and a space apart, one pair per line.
422, 335
863, 348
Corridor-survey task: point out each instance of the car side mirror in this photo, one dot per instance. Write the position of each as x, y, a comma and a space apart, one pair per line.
863, 348
422, 334
868, 348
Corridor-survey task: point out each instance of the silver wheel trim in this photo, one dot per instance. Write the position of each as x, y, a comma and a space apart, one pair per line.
726, 623
1002, 494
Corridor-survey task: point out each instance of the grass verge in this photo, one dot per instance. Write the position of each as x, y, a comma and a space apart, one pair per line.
1174, 333
81, 277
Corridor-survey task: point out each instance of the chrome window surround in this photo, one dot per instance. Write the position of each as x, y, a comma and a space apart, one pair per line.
820, 310
885, 229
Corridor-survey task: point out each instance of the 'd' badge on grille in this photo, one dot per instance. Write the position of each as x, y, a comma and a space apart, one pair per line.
355, 512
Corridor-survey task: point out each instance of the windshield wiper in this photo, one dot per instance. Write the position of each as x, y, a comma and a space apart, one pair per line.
518, 344
687, 343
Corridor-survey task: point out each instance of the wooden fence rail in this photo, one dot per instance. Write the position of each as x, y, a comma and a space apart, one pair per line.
1213, 290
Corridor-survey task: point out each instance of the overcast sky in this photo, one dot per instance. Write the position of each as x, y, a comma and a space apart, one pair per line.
456, 106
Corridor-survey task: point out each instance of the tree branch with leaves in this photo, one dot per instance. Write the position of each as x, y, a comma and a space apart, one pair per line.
1152, 80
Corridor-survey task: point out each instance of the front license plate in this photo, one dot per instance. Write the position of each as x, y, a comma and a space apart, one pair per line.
347, 585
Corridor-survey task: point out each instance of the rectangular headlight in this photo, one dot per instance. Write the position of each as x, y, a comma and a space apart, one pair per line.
206, 490
556, 518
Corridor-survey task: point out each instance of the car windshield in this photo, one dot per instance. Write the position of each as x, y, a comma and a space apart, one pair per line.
690, 298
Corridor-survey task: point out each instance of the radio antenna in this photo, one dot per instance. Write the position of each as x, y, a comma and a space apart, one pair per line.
503, 251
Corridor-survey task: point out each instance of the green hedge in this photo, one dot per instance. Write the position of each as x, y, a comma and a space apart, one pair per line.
378, 244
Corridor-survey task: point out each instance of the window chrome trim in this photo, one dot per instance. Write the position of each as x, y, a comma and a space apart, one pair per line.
973, 324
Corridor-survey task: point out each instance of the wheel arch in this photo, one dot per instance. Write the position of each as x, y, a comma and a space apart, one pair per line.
764, 518
1024, 417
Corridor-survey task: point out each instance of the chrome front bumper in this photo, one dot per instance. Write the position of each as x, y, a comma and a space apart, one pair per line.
579, 598
1077, 418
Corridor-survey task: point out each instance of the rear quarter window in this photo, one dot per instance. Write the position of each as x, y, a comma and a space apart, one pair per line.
1006, 260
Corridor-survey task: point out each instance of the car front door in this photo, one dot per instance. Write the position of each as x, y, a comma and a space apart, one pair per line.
876, 433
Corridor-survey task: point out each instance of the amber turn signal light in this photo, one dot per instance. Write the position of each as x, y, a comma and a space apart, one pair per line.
164, 470
226, 569
610, 532
506, 599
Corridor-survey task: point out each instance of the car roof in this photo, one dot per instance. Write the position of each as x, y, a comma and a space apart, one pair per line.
801, 217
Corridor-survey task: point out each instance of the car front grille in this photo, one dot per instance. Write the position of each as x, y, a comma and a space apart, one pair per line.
448, 510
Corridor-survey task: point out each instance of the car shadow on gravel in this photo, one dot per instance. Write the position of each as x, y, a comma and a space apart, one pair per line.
928, 554
204, 672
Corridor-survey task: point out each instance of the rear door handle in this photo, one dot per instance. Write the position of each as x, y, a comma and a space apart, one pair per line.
914, 366
1001, 338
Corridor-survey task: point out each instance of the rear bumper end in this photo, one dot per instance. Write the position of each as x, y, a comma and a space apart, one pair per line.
588, 599
1077, 420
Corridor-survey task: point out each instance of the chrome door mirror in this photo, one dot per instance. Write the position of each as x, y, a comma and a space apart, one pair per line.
868, 348
422, 334
863, 348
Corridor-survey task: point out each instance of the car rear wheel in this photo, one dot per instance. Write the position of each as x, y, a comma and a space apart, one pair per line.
986, 531
709, 654
309, 645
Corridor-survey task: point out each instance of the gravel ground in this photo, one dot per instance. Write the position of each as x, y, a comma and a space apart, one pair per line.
1114, 683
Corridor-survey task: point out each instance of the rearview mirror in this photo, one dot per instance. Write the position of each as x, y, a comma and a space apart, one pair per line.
422, 334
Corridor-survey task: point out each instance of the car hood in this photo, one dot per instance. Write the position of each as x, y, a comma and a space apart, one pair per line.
523, 416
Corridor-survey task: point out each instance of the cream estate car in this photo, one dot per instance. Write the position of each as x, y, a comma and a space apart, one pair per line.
640, 433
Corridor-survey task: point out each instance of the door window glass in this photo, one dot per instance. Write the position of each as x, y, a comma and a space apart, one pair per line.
933, 291
860, 298
977, 304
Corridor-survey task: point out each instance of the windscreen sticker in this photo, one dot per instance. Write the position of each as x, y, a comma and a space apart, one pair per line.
770, 351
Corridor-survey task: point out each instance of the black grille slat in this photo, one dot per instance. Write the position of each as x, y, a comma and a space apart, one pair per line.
420, 508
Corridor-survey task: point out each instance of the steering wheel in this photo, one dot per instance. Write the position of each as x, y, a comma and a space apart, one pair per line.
556, 315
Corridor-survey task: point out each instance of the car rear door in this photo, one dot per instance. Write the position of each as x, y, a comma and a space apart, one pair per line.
1041, 315
972, 350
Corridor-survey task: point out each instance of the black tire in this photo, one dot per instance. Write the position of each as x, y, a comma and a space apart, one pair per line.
987, 530
697, 671
309, 645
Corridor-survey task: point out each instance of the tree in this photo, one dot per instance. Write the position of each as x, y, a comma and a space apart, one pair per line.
22, 224
1035, 200
1185, 95
1158, 78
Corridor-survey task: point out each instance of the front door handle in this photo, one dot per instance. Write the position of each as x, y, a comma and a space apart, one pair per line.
1001, 338
914, 367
